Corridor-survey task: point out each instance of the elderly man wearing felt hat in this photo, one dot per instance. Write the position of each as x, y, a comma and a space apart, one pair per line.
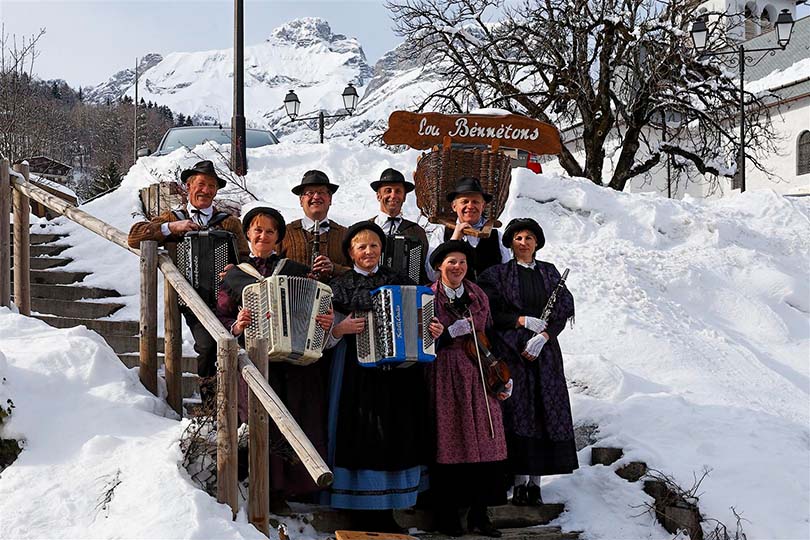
392, 189
202, 183
468, 199
315, 196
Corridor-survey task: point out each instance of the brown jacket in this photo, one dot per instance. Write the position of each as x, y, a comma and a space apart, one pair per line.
150, 230
297, 245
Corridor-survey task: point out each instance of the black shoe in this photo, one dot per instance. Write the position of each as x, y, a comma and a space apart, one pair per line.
478, 520
448, 523
533, 494
520, 496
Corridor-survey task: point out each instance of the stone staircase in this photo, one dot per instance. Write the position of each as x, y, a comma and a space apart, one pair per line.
59, 299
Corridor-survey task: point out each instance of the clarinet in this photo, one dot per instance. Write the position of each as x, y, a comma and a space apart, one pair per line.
553, 298
316, 248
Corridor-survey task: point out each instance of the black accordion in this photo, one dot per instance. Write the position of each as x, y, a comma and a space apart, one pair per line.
202, 256
405, 254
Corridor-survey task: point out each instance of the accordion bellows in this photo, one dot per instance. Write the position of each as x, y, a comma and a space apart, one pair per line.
438, 171
202, 256
283, 310
397, 329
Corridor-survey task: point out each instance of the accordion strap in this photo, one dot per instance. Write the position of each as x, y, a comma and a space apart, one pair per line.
250, 270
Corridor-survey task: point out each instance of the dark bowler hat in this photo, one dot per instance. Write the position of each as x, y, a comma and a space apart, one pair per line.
523, 224
468, 184
265, 211
392, 176
314, 178
355, 229
205, 167
440, 253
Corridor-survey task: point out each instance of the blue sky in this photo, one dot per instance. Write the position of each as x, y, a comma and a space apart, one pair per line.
87, 41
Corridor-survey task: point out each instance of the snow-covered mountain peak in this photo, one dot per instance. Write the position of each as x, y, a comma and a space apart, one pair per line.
305, 31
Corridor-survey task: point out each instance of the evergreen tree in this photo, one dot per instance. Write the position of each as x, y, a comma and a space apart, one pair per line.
108, 177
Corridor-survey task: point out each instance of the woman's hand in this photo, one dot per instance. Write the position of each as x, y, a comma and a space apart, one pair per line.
534, 346
242, 321
436, 328
349, 325
507, 391
326, 320
459, 328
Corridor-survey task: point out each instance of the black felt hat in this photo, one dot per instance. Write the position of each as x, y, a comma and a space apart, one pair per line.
451, 246
314, 178
353, 231
392, 176
266, 211
523, 224
468, 184
205, 167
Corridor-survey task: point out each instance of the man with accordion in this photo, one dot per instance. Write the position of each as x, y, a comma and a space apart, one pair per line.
199, 222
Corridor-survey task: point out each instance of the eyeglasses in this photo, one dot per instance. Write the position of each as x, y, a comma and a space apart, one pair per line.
311, 193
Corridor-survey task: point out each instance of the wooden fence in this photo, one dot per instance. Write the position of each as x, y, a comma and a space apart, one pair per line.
252, 367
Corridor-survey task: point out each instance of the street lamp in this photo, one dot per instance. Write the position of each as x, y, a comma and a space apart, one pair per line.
292, 104
700, 34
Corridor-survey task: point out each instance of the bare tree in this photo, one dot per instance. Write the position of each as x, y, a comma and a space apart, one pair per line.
610, 71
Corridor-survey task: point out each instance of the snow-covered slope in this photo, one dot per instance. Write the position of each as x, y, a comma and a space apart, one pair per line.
117, 85
690, 350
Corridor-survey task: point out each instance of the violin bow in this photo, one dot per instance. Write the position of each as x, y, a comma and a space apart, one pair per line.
481, 370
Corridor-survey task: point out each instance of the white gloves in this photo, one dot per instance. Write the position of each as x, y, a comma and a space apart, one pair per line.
459, 328
534, 346
534, 324
507, 391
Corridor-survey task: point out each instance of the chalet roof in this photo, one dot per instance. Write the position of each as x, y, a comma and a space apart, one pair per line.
46, 165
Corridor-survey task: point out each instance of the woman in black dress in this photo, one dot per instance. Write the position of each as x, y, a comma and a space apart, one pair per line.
537, 419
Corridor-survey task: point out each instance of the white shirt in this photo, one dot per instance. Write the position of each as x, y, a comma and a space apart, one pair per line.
527, 265
200, 216
452, 293
309, 224
385, 225
366, 272
436, 238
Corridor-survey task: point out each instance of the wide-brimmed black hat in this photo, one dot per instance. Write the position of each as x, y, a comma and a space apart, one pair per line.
523, 224
266, 211
354, 230
451, 246
468, 184
392, 176
314, 178
205, 167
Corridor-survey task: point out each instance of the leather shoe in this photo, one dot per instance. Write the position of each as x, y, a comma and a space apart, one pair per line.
533, 495
520, 496
448, 523
478, 520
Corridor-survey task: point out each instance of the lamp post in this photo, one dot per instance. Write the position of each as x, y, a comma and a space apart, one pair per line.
741, 57
292, 104
238, 146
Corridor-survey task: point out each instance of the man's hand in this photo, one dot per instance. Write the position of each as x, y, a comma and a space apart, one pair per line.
179, 228
326, 320
323, 265
225, 271
458, 232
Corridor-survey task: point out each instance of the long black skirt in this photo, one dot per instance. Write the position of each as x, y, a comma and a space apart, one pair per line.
461, 485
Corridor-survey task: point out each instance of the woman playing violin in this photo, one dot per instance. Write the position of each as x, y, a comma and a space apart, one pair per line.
470, 443
539, 428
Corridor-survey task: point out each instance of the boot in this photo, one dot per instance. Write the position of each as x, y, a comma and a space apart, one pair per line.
478, 520
520, 495
448, 522
533, 495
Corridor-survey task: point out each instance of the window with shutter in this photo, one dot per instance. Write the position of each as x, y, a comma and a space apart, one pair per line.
803, 154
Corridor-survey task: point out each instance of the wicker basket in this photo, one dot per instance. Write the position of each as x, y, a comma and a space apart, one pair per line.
437, 172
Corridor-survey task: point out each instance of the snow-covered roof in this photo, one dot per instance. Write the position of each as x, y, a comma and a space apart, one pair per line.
791, 65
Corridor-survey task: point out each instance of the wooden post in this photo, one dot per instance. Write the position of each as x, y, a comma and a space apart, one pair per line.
22, 246
5, 234
148, 328
172, 339
259, 461
227, 471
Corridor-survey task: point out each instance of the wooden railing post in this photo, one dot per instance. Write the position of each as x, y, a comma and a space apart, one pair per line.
259, 451
5, 234
148, 327
172, 342
227, 471
22, 246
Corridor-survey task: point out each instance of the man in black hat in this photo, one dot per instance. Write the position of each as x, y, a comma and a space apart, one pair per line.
468, 200
202, 183
392, 189
315, 195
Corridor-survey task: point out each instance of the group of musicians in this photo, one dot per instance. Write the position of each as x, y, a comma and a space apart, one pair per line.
390, 435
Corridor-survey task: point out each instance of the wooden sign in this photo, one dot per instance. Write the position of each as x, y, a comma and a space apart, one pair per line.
424, 130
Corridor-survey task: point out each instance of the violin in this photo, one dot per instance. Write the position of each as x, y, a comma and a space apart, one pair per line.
496, 372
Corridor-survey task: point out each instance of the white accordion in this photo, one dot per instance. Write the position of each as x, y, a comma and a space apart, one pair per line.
397, 330
283, 310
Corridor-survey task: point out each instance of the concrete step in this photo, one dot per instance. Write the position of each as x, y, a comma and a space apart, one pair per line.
328, 519
56, 277
534, 533
105, 328
132, 360
44, 263
79, 310
70, 292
